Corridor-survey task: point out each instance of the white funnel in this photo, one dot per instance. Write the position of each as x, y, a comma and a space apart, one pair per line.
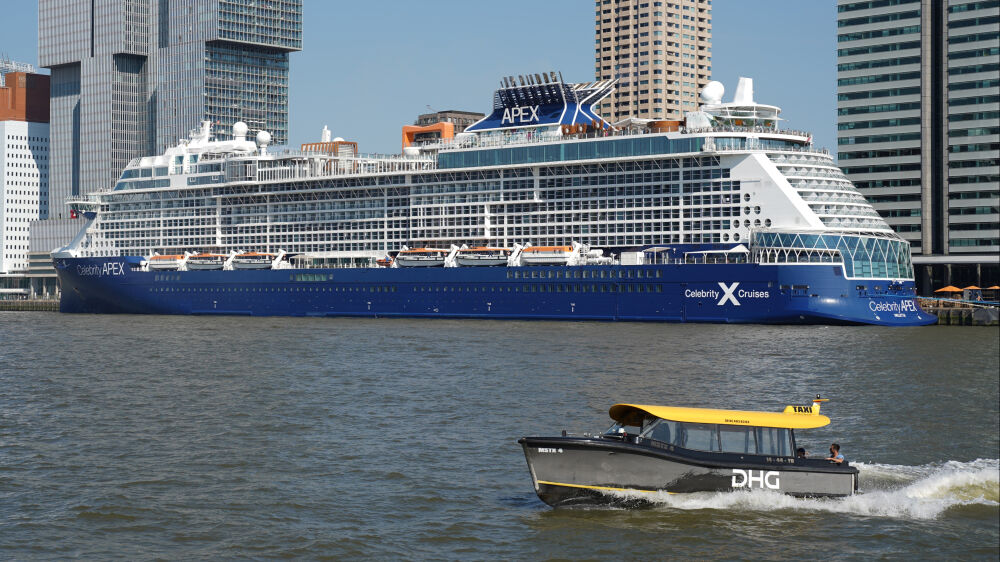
744, 91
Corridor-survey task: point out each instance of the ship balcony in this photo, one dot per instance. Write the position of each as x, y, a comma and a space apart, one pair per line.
811, 172
843, 210
825, 185
832, 197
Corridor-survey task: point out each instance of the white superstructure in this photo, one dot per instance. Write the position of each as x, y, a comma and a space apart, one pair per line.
724, 175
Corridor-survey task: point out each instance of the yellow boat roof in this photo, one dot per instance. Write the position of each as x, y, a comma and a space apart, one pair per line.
794, 417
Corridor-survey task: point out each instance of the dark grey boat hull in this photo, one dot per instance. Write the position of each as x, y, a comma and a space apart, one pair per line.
573, 470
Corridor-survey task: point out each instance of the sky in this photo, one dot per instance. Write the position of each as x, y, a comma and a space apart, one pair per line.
368, 68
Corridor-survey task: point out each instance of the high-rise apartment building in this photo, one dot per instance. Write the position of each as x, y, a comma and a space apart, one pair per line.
660, 52
131, 77
918, 90
24, 163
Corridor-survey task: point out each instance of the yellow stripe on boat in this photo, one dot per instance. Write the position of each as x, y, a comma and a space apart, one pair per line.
607, 488
794, 417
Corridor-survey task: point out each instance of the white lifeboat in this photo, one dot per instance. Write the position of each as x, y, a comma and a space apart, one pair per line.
547, 255
170, 262
483, 256
206, 261
253, 260
422, 257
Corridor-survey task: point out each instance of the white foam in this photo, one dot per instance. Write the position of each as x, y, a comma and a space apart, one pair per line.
914, 492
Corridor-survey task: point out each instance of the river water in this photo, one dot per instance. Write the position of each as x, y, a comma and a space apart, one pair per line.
187, 437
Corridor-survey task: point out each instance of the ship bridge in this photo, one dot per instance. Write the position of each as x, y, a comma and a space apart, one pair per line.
544, 100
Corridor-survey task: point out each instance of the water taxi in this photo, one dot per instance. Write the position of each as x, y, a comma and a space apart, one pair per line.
683, 450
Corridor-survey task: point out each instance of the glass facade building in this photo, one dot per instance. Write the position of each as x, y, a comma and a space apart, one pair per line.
132, 77
918, 108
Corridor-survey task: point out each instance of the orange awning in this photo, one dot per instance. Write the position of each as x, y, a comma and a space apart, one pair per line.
972, 288
949, 289
993, 288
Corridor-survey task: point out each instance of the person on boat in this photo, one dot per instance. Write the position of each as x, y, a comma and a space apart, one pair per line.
800, 453
835, 455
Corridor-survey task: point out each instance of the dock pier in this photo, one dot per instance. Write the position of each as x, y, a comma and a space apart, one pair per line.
29, 305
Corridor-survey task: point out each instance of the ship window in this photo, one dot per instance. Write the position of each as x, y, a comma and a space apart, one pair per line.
774, 441
737, 439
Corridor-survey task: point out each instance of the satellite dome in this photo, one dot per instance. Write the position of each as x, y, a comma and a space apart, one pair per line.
712, 92
338, 139
264, 138
240, 129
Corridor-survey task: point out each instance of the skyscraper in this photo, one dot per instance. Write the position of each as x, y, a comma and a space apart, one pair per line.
661, 53
24, 162
130, 77
917, 118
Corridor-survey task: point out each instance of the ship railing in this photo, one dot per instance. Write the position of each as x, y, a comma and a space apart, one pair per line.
488, 140
298, 165
83, 200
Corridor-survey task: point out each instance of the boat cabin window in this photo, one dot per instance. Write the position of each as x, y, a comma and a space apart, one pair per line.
700, 436
769, 441
665, 432
775, 441
736, 439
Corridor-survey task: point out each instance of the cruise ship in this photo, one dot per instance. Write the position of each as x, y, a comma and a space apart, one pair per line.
541, 210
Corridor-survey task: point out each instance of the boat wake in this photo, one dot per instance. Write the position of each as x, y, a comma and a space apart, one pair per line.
911, 492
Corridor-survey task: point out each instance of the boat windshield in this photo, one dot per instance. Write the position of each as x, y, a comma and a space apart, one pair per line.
617, 428
771, 441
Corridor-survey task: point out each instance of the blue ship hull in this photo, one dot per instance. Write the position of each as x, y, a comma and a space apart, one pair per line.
719, 293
